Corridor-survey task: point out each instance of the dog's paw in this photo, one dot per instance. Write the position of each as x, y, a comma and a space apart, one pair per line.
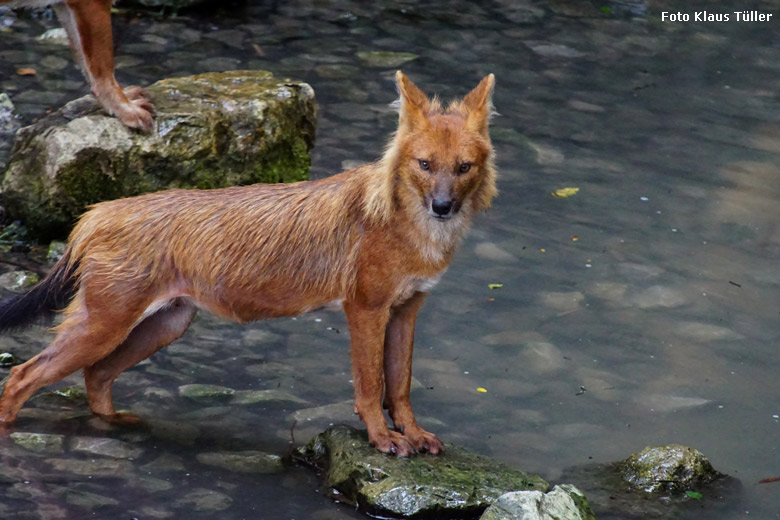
135, 92
393, 443
138, 113
424, 441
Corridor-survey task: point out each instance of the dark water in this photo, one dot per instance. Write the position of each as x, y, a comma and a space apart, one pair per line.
655, 288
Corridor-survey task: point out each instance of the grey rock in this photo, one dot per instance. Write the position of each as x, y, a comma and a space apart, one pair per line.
673, 468
56, 251
385, 59
18, 281
243, 461
211, 130
206, 392
564, 502
96, 467
456, 483
106, 447
87, 500
204, 500
57, 36
50, 444
264, 396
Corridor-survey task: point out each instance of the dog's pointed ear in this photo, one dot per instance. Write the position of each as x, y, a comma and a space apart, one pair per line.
413, 104
480, 105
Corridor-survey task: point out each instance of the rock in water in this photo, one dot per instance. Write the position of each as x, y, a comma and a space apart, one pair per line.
455, 484
672, 468
211, 131
564, 502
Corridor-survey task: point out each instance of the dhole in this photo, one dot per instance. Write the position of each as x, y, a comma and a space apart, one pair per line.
375, 239
88, 24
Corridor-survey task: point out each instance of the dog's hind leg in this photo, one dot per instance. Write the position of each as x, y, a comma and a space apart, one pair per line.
87, 335
153, 333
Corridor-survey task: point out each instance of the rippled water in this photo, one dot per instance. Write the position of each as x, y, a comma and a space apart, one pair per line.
641, 311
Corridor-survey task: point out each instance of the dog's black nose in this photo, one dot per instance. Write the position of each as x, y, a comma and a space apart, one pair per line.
441, 207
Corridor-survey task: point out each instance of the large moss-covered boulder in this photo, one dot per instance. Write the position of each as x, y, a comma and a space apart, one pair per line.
211, 130
455, 484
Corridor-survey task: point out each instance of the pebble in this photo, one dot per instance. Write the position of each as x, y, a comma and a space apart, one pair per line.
106, 447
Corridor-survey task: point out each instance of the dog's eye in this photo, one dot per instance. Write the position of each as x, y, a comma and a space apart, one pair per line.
464, 167
425, 165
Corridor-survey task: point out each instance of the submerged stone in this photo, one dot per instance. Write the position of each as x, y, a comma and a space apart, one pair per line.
265, 396
455, 484
564, 502
385, 59
206, 392
211, 131
204, 500
50, 444
672, 468
106, 447
243, 461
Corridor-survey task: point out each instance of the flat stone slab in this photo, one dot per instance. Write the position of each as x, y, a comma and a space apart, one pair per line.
455, 484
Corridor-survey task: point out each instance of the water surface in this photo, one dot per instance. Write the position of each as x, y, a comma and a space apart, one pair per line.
641, 311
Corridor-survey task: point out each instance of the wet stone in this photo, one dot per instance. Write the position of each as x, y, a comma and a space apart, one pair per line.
657, 297
165, 463
87, 500
56, 36
199, 392
457, 483
672, 468
50, 444
563, 502
19, 281
56, 251
8, 360
385, 59
106, 447
97, 467
243, 461
562, 301
553, 50
265, 396
204, 500
491, 251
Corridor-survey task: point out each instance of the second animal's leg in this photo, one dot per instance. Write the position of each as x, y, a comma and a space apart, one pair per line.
88, 24
153, 333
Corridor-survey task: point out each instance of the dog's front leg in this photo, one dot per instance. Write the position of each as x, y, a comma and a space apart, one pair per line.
88, 24
367, 331
399, 345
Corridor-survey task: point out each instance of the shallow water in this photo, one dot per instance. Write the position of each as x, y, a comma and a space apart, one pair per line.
655, 288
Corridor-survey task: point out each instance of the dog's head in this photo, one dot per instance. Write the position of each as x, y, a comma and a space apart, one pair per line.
444, 154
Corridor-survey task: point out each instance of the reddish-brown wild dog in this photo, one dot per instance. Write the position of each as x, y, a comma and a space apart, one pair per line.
375, 239
88, 24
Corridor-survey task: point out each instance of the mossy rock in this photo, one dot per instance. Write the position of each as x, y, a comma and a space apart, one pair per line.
211, 131
455, 484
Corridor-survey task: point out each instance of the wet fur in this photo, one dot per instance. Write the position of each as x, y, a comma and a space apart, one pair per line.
139, 267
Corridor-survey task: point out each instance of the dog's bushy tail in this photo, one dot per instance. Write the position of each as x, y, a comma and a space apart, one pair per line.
52, 294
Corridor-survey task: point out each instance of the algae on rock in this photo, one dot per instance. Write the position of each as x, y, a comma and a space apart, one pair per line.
455, 484
211, 131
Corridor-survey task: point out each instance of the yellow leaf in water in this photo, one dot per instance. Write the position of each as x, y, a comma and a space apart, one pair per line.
562, 193
26, 71
495, 285
482, 390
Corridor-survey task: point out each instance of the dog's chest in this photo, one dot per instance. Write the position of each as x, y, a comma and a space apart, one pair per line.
414, 284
